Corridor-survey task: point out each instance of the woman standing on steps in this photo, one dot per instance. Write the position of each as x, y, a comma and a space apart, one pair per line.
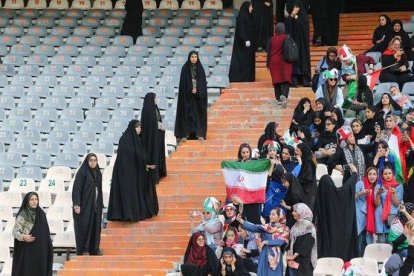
191, 119
280, 70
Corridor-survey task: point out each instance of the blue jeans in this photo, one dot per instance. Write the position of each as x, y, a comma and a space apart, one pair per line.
364, 239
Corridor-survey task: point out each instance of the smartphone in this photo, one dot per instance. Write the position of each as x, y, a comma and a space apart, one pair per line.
346, 167
376, 124
293, 159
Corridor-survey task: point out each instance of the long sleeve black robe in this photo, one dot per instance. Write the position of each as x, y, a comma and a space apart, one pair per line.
132, 25
263, 22
87, 194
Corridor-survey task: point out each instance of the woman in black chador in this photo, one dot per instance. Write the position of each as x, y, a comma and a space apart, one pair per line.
297, 25
242, 66
191, 119
33, 250
133, 196
132, 25
87, 206
153, 136
263, 22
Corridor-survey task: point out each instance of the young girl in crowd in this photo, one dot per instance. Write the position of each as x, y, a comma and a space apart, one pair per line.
387, 106
231, 264
402, 100
318, 126
231, 239
327, 141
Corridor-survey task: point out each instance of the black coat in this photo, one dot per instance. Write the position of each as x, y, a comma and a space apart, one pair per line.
191, 118
87, 194
384, 33
326, 138
153, 138
307, 175
263, 22
335, 219
34, 258
298, 29
133, 196
242, 65
132, 25
294, 195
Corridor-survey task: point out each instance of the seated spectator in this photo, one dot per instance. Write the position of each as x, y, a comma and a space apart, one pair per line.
270, 133
364, 96
349, 73
305, 136
231, 264
398, 31
324, 107
317, 127
371, 120
294, 195
395, 63
387, 106
330, 90
286, 158
199, 259
363, 62
396, 235
302, 115
388, 196
365, 209
250, 252
382, 34
245, 153
302, 254
230, 239
328, 62
402, 100
307, 174
347, 153
408, 119
338, 116
327, 142
275, 234
359, 134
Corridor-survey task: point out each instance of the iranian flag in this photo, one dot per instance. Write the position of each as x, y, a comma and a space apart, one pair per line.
246, 179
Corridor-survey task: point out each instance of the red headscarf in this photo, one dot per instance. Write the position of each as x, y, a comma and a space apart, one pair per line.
236, 237
369, 197
387, 205
197, 254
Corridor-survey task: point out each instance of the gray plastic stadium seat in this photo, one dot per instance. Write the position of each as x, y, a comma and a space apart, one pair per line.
92, 124
76, 40
66, 91
181, 21
22, 80
53, 40
68, 125
90, 91
221, 70
113, 91
70, 160
4, 22
57, 102
226, 21
47, 113
208, 13
47, 50
102, 70
153, 70
159, 60
84, 136
70, 80
209, 50
384, 87
54, 69
31, 40
68, 50
165, 91
88, 60
165, 13
106, 148
220, 81
7, 102
20, 49
375, 55
163, 103
73, 113
79, 148
408, 88
89, 21
37, 59
178, 59
41, 91
83, 31
51, 148
203, 21
22, 21
117, 125
106, 102
6, 172
6, 69
38, 31
123, 112
7, 136
216, 40
76, 13
183, 50
29, 69
121, 80
14, 30
225, 60
208, 60
146, 40
31, 13
46, 21
16, 125
29, 135
138, 50
99, 40
175, 31
22, 113
127, 70
193, 40
149, 81
109, 60
69, 22
61, 31
158, 21
83, 102
116, 50
42, 125
22, 148
123, 40
31, 102
31, 172
113, 22
16, 91
13, 59
173, 70
13, 159
2, 115
105, 31
197, 31
1, 151
47, 80
94, 13
92, 50
133, 102
52, 13
117, 13
98, 113
78, 70
151, 31
58, 136
60, 59
139, 90
38, 159
8, 13
170, 80
110, 137
170, 40
96, 80
7, 40
134, 60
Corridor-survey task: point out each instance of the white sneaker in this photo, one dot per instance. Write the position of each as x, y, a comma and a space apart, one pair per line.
283, 101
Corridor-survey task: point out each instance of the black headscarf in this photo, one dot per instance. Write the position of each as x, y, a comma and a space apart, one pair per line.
332, 64
308, 136
132, 25
405, 38
327, 106
307, 175
130, 179
192, 108
383, 34
153, 139
244, 145
364, 93
340, 122
240, 268
294, 195
36, 257
335, 219
288, 164
269, 134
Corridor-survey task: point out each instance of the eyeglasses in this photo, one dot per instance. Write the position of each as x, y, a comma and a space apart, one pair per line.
334, 79
206, 213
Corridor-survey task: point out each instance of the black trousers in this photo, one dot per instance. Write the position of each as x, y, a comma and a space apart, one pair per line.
398, 78
281, 89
